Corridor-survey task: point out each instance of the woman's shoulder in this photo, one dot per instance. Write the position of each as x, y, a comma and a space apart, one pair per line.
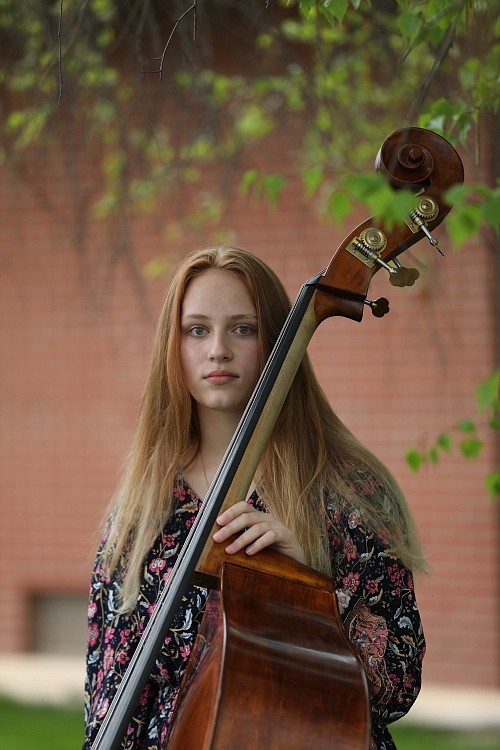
360, 488
362, 504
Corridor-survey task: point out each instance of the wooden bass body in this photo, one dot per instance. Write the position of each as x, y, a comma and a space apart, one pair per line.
272, 667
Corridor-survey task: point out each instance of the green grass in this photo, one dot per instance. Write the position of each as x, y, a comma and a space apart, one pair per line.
410, 737
33, 727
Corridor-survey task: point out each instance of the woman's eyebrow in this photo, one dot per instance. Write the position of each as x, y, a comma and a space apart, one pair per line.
237, 316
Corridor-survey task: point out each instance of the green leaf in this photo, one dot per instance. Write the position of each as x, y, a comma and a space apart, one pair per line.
457, 195
488, 392
414, 458
494, 423
464, 223
156, 267
490, 209
334, 10
466, 425
383, 201
248, 180
15, 120
200, 149
493, 484
273, 185
434, 455
103, 9
254, 123
471, 448
445, 442
307, 7
312, 178
365, 184
409, 24
105, 205
339, 206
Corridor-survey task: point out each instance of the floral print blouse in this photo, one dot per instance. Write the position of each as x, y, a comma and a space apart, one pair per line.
376, 600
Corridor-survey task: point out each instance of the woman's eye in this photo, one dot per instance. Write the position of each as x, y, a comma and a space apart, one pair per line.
244, 329
197, 331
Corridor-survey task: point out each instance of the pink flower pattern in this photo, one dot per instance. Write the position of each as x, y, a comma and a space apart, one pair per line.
376, 602
379, 611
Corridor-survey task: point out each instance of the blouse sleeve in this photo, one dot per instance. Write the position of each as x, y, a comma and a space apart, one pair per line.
379, 611
113, 637
95, 641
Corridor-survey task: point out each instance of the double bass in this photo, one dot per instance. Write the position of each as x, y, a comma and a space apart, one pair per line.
272, 667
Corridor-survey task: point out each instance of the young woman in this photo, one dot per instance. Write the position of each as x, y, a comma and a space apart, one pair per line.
318, 496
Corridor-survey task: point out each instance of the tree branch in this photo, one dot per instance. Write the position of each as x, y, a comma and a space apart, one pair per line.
192, 8
59, 61
443, 50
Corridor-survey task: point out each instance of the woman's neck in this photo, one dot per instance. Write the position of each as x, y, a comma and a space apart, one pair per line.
216, 431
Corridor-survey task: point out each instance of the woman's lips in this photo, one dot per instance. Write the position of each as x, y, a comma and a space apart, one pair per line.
220, 377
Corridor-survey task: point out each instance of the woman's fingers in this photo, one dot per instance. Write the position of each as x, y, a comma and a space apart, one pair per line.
237, 518
248, 537
256, 531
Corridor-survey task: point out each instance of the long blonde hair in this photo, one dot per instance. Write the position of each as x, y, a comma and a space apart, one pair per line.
297, 475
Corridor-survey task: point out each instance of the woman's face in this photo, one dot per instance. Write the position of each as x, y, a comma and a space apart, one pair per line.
219, 342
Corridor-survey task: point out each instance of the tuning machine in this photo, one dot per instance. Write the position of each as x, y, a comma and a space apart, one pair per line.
379, 307
368, 247
401, 276
426, 210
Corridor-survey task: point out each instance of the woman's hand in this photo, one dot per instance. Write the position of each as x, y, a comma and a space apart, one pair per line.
256, 531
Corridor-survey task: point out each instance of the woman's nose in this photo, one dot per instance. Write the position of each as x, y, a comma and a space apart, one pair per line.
220, 349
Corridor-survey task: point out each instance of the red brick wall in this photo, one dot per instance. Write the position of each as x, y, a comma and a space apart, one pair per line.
72, 371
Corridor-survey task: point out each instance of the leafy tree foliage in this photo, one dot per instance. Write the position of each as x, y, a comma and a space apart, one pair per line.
341, 74
467, 435
344, 73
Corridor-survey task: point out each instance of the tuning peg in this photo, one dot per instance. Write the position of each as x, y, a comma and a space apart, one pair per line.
398, 275
403, 276
432, 239
379, 307
426, 211
367, 248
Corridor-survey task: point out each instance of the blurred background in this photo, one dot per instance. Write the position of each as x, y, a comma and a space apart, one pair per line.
134, 132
